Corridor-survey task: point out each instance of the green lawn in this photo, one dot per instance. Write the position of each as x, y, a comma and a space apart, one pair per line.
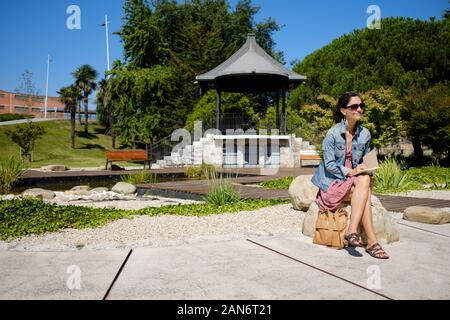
54, 147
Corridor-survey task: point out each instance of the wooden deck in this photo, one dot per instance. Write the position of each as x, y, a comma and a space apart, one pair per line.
245, 180
399, 204
246, 186
36, 174
200, 188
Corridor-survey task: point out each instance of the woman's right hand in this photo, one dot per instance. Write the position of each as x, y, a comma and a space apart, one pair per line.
359, 169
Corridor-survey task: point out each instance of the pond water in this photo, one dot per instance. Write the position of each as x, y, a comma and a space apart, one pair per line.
67, 183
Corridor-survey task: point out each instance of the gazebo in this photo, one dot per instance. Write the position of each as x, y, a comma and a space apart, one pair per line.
252, 70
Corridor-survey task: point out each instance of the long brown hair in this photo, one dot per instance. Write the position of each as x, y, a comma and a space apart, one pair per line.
342, 103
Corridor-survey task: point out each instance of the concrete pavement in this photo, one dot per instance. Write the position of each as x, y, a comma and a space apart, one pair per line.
275, 267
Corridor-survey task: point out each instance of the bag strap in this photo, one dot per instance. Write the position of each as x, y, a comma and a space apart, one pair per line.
330, 227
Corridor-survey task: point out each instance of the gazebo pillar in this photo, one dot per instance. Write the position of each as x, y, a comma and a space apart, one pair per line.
277, 111
284, 112
218, 96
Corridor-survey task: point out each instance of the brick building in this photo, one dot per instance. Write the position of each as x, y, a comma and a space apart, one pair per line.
30, 104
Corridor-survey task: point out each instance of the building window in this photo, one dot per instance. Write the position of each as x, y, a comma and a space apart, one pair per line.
36, 110
21, 97
229, 153
2, 95
2, 107
38, 99
21, 109
272, 157
251, 153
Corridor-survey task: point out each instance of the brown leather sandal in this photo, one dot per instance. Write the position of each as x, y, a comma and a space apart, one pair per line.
354, 240
377, 251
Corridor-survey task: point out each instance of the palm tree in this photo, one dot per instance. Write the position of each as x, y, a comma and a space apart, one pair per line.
70, 96
104, 109
85, 80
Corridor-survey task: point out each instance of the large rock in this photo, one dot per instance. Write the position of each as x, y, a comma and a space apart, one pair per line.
38, 193
302, 192
426, 215
384, 225
99, 190
84, 188
7, 197
124, 188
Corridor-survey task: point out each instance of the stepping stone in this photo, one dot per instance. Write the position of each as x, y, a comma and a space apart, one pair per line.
426, 215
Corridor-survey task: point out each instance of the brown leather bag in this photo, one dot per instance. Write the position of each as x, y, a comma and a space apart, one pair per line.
330, 228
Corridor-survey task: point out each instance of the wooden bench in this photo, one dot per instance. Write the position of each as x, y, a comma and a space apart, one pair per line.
309, 156
126, 155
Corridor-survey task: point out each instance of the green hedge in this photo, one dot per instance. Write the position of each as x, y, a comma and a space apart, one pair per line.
14, 116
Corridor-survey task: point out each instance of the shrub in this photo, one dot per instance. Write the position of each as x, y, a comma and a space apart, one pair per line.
25, 136
192, 172
390, 177
11, 169
221, 192
205, 171
142, 177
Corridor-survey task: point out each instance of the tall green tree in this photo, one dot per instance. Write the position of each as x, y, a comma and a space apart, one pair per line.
85, 77
427, 119
70, 96
368, 59
141, 104
188, 38
408, 56
105, 114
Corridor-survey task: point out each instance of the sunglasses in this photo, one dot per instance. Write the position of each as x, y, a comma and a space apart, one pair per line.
356, 106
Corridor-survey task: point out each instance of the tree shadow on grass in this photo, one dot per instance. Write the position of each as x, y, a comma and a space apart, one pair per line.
91, 146
89, 135
101, 130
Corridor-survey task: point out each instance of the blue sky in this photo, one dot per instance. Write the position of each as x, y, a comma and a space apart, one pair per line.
29, 30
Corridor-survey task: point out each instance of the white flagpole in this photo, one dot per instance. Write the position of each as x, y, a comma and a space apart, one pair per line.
107, 41
46, 88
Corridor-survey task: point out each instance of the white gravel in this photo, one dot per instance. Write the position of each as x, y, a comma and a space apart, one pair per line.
167, 230
138, 231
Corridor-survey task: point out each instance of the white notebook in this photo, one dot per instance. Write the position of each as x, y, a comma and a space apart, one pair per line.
370, 160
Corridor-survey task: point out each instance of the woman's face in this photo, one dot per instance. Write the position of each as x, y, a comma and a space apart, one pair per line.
354, 110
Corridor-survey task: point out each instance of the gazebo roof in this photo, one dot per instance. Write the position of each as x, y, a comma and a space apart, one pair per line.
250, 69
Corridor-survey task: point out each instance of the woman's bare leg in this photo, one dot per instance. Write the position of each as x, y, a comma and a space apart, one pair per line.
368, 222
359, 201
370, 232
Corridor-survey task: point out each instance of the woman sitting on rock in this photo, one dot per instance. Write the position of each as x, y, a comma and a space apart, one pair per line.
340, 177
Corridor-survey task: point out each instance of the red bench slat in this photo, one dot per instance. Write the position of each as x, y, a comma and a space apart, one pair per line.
132, 155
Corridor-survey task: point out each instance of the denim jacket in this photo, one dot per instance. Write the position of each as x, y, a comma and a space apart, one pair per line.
332, 167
